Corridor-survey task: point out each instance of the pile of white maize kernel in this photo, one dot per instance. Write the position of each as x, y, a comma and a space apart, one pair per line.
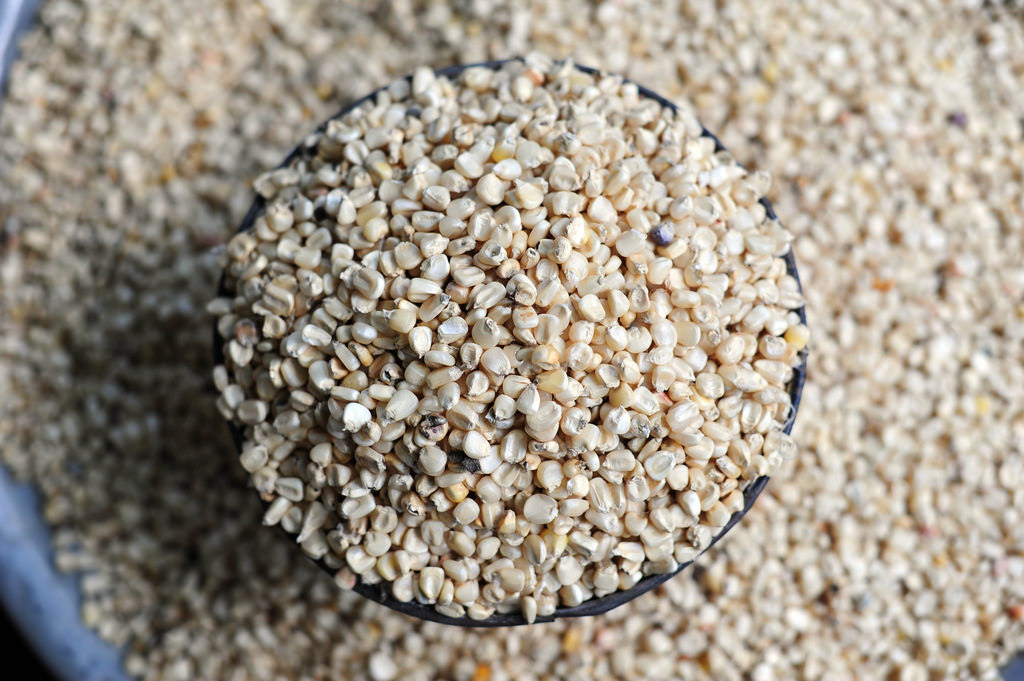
510, 341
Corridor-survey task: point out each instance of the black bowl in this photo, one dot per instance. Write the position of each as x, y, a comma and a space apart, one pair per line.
595, 606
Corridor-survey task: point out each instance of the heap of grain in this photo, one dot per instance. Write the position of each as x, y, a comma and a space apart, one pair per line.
509, 341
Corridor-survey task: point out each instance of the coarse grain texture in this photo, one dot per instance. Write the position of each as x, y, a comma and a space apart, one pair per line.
891, 548
335, 283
